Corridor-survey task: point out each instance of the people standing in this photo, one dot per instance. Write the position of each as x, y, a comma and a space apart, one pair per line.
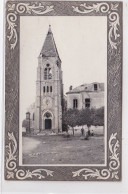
82, 131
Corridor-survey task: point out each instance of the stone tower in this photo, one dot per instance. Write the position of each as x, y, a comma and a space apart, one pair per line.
49, 88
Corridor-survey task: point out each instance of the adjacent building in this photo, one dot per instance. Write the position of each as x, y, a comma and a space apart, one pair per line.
86, 96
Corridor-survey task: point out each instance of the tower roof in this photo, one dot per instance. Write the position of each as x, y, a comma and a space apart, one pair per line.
49, 48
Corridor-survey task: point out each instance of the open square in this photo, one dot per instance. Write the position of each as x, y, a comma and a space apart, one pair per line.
57, 149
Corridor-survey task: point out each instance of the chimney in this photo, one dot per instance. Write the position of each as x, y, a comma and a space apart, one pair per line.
27, 115
70, 88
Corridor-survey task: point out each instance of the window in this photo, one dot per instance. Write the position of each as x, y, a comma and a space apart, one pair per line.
47, 89
95, 87
47, 65
87, 102
44, 89
47, 72
33, 117
50, 88
47, 115
75, 103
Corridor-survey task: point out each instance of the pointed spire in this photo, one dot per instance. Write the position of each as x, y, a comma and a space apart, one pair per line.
49, 48
49, 31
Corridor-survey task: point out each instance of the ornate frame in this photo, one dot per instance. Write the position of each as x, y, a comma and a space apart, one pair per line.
113, 11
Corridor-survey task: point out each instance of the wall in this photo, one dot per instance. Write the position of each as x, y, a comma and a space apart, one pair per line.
70, 98
97, 99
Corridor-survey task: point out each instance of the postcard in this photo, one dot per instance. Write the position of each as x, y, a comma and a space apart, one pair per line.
63, 90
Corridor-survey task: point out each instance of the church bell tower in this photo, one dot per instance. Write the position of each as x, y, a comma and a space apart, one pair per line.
49, 87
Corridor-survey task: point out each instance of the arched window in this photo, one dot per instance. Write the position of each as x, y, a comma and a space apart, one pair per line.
47, 115
75, 103
50, 73
47, 72
50, 88
44, 89
33, 117
47, 89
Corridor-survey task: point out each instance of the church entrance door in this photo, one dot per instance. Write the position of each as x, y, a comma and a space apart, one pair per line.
48, 123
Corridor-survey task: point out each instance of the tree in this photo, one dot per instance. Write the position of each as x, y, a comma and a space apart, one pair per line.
98, 119
86, 118
70, 118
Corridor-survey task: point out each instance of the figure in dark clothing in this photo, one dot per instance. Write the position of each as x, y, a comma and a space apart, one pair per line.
82, 131
89, 132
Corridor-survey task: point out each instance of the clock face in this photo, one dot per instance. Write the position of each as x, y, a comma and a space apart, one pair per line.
47, 102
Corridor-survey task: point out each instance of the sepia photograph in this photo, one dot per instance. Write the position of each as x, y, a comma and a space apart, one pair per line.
63, 72
63, 91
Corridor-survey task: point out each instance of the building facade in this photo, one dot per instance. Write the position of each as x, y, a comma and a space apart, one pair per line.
86, 95
46, 112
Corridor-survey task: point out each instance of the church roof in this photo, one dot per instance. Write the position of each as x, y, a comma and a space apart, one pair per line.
87, 88
49, 48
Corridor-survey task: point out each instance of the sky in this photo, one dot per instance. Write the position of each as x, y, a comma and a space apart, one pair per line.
82, 46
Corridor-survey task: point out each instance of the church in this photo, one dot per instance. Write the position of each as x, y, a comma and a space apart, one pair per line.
46, 112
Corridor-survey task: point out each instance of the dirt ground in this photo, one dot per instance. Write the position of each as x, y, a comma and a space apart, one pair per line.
59, 150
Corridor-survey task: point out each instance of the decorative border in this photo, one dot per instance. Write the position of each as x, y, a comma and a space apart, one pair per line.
114, 164
113, 11
113, 17
40, 10
21, 174
21, 8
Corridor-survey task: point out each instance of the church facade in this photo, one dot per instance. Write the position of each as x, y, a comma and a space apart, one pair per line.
46, 112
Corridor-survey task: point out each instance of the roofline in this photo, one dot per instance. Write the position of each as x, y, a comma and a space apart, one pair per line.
71, 92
